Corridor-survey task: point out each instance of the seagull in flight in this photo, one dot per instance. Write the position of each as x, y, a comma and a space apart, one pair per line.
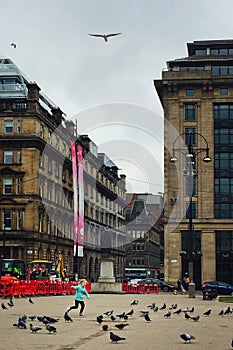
13, 45
104, 36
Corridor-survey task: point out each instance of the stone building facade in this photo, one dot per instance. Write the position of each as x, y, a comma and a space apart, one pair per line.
197, 97
36, 184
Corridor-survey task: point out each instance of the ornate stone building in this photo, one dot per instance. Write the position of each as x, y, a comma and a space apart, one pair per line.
196, 93
36, 185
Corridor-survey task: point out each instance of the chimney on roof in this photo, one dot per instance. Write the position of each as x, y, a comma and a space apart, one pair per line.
57, 114
33, 91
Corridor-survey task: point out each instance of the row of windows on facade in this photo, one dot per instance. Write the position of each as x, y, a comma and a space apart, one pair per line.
220, 111
12, 126
215, 70
222, 92
46, 161
14, 220
213, 51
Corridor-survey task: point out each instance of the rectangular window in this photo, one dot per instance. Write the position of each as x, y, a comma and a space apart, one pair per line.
223, 92
190, 92
8, 126
19, 220
8, 157
50, 163
201, 52
41, 130
190, 111
6, 220
194, 210
190, 136
40, 222
17, 185
19, 126
7, 186
42, 160
57, 170
50, 137
18, 160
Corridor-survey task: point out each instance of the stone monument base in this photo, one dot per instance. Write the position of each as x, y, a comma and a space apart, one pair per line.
106, 287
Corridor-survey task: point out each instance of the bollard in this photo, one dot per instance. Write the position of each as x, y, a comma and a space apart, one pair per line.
192, 290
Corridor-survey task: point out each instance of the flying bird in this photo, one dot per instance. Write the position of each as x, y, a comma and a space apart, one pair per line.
13, 45
115, 337
50, 328
34, 329
130, 313
187, 337
67, 318
104, 36
147, 317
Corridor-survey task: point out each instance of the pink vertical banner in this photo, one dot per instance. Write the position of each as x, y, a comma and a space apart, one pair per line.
80, 202
75, 187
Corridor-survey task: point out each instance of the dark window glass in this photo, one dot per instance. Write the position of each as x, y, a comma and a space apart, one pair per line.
190, 136
190, 111
190, 92
223, 92
200, 52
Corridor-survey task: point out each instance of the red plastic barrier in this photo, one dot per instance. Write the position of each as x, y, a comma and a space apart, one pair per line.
140, 288
17, 287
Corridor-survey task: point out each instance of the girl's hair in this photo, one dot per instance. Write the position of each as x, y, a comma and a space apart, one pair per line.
82, 281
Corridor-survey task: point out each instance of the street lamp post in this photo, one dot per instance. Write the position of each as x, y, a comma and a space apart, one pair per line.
190, 152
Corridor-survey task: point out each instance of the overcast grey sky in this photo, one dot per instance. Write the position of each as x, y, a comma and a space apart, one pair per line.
80, 73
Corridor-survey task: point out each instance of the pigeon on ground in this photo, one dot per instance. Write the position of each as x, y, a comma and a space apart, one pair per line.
67, 317
32, 318
10, 303
195, 318
105, 327
24, 318
168, 314
99, 319
126, 317
187, 316
20, 324
221, 313
34, 329
177, 312
121, 325
30, 300
207, 313
134, 302
121, 315
156, 308
4, 306
152, 305
115, 338
50, 328
108, 313
232, 343
104, 36
163, 307
187, 337
51, 319
113, 318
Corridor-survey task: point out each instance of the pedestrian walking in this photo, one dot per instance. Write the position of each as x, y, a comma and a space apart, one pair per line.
80, 290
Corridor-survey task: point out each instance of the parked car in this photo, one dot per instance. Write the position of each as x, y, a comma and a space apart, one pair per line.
222, 287
165, 287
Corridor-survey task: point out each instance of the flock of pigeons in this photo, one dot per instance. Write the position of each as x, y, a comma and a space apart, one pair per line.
170, 311
120, 320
